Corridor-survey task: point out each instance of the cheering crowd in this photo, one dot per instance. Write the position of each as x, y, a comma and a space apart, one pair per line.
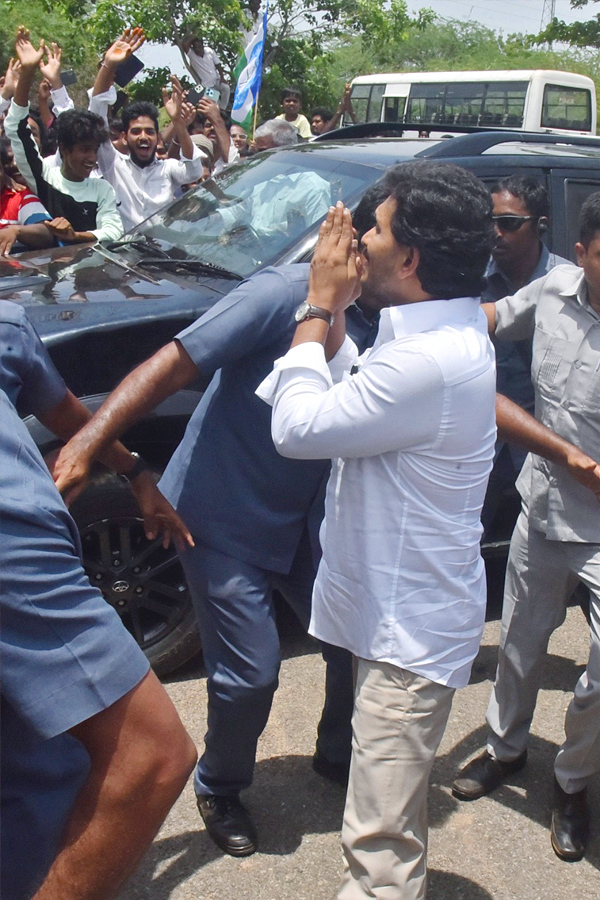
361, 394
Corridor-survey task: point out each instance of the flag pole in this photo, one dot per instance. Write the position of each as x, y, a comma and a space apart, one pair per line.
255, 116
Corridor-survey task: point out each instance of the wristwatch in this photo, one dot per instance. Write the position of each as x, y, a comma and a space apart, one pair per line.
308, 311
140, 466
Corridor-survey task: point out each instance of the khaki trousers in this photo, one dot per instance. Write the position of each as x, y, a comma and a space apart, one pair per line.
540, 577
398, 723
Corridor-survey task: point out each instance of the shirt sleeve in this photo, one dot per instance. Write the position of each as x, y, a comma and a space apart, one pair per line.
303, 127
27, 374
31, 210
393, 403
184, 170
515, 315
61, 100
249, 318
25, 149
108, 221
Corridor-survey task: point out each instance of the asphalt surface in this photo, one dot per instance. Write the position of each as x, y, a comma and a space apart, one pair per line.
496, 848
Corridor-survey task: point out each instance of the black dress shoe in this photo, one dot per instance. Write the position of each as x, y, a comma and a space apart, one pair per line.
570, 824
333, 771
228, 824
484, 774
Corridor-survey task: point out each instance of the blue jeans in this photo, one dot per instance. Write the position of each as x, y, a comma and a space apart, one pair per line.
236, 619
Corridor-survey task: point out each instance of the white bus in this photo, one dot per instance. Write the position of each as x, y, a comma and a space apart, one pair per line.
529, 100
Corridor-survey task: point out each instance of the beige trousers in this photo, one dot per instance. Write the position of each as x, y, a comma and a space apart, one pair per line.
398, 723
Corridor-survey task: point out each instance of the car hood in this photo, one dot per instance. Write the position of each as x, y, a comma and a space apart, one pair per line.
82, 287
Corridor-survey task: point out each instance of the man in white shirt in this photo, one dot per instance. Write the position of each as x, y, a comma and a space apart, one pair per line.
401, 583
207, 67
143, 184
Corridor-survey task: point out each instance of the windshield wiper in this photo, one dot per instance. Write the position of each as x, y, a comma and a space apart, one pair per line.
144, 245
194, 265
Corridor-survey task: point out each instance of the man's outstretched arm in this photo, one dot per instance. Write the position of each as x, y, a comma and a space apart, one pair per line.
518, 427
140, 759
169, 370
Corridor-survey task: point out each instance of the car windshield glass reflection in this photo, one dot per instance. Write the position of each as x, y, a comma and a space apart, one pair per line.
254, 212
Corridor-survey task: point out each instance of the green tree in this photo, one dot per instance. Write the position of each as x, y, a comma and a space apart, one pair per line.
578, 34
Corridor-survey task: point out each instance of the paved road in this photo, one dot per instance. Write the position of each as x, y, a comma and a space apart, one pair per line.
494, 849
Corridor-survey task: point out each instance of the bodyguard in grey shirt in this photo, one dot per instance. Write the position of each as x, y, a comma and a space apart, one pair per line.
556, 540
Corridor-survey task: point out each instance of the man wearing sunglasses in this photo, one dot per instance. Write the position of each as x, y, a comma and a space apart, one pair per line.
520, 213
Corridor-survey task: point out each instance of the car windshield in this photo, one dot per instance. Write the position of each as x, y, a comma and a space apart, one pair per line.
256, 211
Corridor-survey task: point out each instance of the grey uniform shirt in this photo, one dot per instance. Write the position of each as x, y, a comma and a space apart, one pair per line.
566, 376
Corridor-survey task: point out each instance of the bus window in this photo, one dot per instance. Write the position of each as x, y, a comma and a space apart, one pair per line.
463, 103
426, 103
360, 101
366, 101
566, 107
504, 104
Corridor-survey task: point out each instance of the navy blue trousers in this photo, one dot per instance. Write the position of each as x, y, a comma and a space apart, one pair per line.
236, 619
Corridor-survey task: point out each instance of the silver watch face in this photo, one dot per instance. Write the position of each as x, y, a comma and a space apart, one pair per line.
302, 311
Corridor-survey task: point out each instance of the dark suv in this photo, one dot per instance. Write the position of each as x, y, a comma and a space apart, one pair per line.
101, 310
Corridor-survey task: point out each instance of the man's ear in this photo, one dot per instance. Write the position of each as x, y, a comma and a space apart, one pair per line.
411, 261
580, 253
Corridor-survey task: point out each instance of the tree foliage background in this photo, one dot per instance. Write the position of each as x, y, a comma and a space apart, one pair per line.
315, 44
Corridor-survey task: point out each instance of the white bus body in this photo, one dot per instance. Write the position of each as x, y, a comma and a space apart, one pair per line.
525, 100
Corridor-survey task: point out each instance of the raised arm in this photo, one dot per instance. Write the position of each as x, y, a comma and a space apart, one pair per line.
518, 427
130, 41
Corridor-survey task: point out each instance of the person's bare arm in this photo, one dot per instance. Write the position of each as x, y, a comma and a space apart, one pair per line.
211, 110
518, 427
490, 314
169, 370
29, 58
130, 41
179, 112
140, 759
64, 420
62, 229
30, 235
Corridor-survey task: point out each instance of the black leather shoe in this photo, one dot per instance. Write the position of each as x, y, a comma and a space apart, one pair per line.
484, 774
333, 771
570, 824
228, 824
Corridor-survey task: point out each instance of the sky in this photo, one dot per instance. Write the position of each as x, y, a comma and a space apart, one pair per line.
508, 16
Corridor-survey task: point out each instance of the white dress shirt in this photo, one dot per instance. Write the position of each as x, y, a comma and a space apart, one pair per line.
412, 440
142, 191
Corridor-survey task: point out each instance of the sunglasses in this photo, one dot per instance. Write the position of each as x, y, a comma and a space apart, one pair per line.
511, 223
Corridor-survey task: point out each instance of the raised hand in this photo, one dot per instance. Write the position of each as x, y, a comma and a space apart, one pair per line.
11, 78
173, 102
130, 41
28, 56
334, 280
50, 67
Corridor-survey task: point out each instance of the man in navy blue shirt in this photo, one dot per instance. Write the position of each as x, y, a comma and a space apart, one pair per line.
254, 516
84, 722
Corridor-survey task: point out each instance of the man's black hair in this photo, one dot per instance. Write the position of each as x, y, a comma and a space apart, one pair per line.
529, 190
138, 109
291, 92
79, 126
323, 112
363, 217
446, 213
589, 219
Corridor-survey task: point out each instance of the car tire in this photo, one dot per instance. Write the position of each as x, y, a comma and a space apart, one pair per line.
141, 580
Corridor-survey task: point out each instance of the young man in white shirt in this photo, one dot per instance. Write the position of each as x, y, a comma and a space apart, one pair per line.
207, 67
143, 184
401, 583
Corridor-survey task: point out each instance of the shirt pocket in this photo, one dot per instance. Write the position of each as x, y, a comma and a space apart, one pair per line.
552, 361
